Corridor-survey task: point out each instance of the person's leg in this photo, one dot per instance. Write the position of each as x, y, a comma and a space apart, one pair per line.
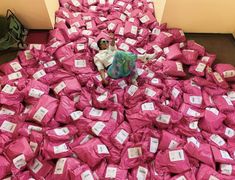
145, 57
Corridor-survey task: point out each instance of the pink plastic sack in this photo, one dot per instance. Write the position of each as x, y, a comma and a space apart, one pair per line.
173, 68
114, 171
97, 114
147, 18
220, 81
198, 69
11, 67
189, 56
215, 140
208, 59
27, 59
222, 156
227, 71
81, 172
191, 111
178, 35
227, 169
130, 30
64, 52
223, 103
173, 52
140, 172
164, 39
191, 87
191, 44
5, 167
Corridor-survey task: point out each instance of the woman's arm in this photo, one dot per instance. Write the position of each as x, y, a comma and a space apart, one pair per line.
102, 75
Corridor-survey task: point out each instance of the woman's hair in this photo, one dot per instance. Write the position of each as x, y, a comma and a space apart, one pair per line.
98, 43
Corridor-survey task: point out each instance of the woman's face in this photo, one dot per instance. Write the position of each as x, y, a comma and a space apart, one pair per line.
104, 44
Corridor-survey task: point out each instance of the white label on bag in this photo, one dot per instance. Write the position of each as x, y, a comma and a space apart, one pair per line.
134, 152
195, 99
175, 92
59, 168
28, 55
14, 76
231, 95
192, 112
102, 97
144, 19
89, 24
111, 26
111, 172
213, 178
140, 71
156, 31
37, 165
153, 144
72, 30
193, 125
176, 155
179, 66
86, 32
173, 144
86, 139
9, 89
226, 169
39, 74
19, 161
123, 17
35, 93
229, 74
141, 50
6, 111
121, 31
155, 81
91, 2
194, 141
60, 149
49, 64
130, 41
225, 154
200, 67
132, 89
217, 139
124, 47
15, 66
181, 178
61, 131
65, 14
86, 175
76, 115
229, 132
122, 84
142, 173
181, 32
122, 136
131, 20
157, 48
213, 110
33, 146
95, 112
59, 87
228, 101
34, 128
8, 126
218, 77
76, 3
167, 34
97, 128
114, 115
120, 3
39, 115
166, 50
163, 118
128, 7
134, 30
102, 2
150, 92
102, 149
147, 107
150, 74
80, 47
80, 63
55, 44
195, 85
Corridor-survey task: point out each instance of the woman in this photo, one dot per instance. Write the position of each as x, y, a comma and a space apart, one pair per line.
117, 63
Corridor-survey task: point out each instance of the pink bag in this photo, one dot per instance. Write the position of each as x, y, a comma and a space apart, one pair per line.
64, 52
5, 167
175, 161
11, 67
80, 173
164, 39
198, 69
13, 77
222, 156
192, 100
227, 71
65, 108
27, 59
147, 18
189, 56
223, 103
97, 114
191, 111
44, 110
173, 52
227, 169
130, 30
92, 152
191, 44
178, 35
215, 140
173, 68
188, 175
220, 81
208, 59
114, 171
191, 87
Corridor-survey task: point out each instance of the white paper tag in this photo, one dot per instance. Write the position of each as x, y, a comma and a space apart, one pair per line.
60, 149
86, 139
34, 128
120, 3
37, 165
123, 17
163, 118
200, 67
134, 30
19, 161
153, 144
141, 50
97, 128
114, 115
140, 71
157, 48
142, 173
89, 24
35, 93
122, 84
134, 152
196, 99
229, 73
72, 30
131, 20
76, 3
124, 47
144, 19
176, 155
6, 111
193, 125
102, 97
228, 101
231, 95
9, 89
147, 106
111, 26
39, 115
95, 112
128, 7
59, 87
226, 169
33, 146
8, 126
155, 81
130, 41
49, 64
102, 2
225, 154
132, 89
166, 50
179, 66
76, 115
205, 59
122, 136
102, 149
86, 175
111, 172
59, 168
213, 178
175, 92
167, 34
173, 144
39, 74
28, 55
150, 74
217, 139
86, 32
61, 131
80, 63
194, 141
15, 66
218, 77
55, 44
121, 31
192, 112
150, 92
15, 75
213, 110
229, 132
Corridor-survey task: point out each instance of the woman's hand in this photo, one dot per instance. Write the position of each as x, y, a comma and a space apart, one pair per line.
105, 82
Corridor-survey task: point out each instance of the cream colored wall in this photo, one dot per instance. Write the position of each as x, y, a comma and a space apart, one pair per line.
202, 16
34, 14
159, 6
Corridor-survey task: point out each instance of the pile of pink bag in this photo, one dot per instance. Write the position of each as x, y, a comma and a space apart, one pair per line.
57, 121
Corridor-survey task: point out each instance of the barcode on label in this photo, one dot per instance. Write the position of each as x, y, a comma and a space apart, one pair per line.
217, 139
6, 111
61, 131
60, 149
49, 64
102, 149
176, 155
15, 66
173, 144
111, 172
59, 168
142, 173
229, 74
37, 165
19, 161
134, 30
39, 115
86, 175
76, 115
147, 107
163, 118
8, 126
14, 76
35, 93
97, 128
9, 89
200, 67
134, 152
144, 19
80, 63
95, 112
60, 87
39, 74
132, 89
153, 144
122, 136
